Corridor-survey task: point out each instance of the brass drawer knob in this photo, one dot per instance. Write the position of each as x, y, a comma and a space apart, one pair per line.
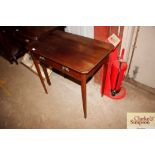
41, 58
65, 68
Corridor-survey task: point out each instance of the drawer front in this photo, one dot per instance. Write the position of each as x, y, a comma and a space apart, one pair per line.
61, 68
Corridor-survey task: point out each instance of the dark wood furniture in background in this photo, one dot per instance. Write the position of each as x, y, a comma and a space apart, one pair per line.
15, 39
10, 48
76, 56
28, 34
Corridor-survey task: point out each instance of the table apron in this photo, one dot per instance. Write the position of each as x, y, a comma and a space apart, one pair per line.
64, 69
69, 71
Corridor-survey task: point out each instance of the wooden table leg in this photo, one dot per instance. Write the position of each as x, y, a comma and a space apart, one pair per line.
36, 63
46, 74
104, 78
83, 91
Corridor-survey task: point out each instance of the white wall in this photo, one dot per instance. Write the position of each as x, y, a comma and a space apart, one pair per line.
144, 57
127, 42
87, 31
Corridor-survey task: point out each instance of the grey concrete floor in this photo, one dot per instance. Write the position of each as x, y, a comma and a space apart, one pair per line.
23, 103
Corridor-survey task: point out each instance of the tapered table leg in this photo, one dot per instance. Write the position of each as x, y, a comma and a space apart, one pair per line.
36, 63
46, 74
104, 78
83, 90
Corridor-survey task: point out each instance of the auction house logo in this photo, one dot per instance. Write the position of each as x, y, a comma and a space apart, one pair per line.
141, 120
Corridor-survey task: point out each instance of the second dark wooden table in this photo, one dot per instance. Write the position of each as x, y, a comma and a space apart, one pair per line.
76, 56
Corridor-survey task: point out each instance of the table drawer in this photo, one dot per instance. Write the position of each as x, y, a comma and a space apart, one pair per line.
61, 68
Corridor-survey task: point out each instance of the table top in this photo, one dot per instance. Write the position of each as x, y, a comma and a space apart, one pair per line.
73, 51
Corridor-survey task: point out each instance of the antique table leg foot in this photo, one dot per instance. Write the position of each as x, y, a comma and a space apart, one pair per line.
46, 74
36, 63
104, 78
83, 90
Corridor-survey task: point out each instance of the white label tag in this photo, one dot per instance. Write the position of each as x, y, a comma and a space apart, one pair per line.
113, 39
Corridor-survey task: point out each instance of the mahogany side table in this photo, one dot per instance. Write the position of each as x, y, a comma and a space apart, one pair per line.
76, 56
